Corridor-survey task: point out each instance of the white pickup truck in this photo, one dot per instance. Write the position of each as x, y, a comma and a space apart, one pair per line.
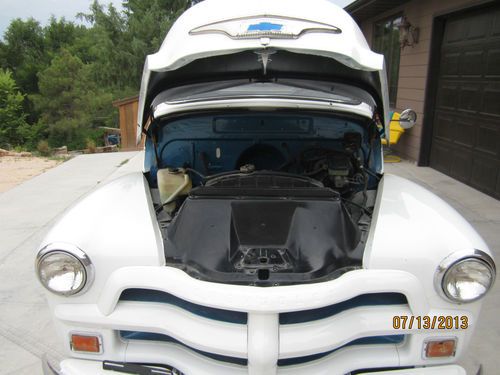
263, 236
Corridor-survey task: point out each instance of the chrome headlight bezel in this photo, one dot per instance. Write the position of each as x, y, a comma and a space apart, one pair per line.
460, 257
77, 254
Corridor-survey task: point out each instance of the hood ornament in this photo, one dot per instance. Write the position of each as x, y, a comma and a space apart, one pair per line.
264, 57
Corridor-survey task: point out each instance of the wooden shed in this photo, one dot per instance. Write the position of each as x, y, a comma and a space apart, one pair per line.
128, 123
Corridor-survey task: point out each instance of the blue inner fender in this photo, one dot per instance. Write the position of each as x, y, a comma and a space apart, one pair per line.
218, 143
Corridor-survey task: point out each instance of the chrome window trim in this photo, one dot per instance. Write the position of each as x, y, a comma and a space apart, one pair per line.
455, 258
80, 255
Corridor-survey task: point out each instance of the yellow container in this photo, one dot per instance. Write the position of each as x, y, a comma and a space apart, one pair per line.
173, 183
395, 130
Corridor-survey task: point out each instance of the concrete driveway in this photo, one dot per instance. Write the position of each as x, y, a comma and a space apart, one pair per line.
483, 212
26, 213
28, 210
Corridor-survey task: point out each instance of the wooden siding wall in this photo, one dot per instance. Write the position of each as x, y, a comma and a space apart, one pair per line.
128, 123
414, 63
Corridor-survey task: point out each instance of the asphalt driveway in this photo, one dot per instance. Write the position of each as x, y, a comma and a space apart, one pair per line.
28, 210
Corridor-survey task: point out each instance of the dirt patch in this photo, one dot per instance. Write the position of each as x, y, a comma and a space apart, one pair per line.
15, 170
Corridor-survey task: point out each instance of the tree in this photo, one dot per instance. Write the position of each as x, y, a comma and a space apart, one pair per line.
24, 52
72, 106
148, 22
109, 50
14, 130
59, 34
71, 73
121, 41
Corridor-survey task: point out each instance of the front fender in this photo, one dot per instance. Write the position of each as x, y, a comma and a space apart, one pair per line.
115, 225
414, 230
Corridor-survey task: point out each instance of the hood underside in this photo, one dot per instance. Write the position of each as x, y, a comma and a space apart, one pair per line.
269, 94
311, 73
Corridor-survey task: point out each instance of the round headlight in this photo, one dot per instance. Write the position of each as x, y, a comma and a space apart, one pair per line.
64, 270
468, 278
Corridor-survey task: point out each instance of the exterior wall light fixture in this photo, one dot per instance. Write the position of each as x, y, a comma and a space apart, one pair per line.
408, 34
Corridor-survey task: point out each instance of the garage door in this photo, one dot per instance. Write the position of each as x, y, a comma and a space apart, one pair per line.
466, 124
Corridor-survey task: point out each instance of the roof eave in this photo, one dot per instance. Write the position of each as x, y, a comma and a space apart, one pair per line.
362, 10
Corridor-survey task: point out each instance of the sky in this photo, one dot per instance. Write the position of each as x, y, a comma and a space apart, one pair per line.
41, 10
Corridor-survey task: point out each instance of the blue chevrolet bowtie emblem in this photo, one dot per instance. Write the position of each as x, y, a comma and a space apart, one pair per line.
265, 26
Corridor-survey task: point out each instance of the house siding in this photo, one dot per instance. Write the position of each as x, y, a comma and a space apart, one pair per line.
414, 63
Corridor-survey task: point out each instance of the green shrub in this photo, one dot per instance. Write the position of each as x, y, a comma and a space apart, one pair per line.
43, 148
91, 146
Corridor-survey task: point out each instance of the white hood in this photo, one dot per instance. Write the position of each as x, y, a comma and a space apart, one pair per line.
223, 27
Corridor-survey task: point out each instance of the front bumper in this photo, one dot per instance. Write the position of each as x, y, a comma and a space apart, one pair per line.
174, 335
86, 367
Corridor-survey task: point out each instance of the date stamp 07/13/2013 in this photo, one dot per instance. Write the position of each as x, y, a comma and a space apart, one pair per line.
430, 322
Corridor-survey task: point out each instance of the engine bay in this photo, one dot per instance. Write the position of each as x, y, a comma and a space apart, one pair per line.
263, 199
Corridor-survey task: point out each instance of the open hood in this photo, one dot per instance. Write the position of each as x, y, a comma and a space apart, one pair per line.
261, 40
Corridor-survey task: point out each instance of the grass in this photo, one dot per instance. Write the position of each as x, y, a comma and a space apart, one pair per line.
61, 158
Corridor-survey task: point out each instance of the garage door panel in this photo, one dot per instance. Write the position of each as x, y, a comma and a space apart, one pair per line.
479, 26
491, 102
443, 127
488, 139
442, 156
493, 63
461, 167
471, 63
495, 30
470, 98
454, 32
447, 96
466, 122
468, 27
465, 130
449, 64
485, 174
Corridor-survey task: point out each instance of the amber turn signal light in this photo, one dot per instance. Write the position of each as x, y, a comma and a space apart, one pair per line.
440, 348
85, 343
